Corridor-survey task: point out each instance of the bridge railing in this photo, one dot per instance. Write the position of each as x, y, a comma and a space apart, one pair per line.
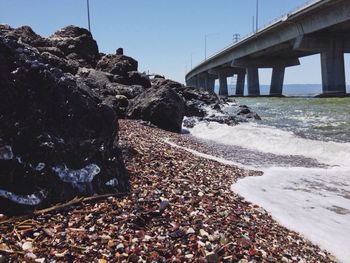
285, 16
271, 23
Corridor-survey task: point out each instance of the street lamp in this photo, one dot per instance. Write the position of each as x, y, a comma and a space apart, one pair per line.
191, 61
88, 13
257, 16
205, 44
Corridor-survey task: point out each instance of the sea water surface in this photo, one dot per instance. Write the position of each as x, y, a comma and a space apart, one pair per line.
303, 147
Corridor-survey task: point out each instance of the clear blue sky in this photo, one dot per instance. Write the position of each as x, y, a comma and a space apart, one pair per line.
160, 34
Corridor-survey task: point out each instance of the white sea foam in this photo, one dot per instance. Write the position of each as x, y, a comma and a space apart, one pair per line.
312, 201
271, 140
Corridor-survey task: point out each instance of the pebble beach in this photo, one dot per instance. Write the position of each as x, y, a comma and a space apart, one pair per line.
180, 209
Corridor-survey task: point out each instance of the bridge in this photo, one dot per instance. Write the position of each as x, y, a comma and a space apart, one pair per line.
320, 27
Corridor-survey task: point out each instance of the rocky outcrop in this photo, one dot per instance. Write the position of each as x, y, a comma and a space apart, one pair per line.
196, 100
160, 106
67, 49
25, 35
57, 138
117, 64
59, 105
113, 94
76, 44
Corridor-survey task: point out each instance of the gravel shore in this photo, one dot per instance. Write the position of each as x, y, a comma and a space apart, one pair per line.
180, 209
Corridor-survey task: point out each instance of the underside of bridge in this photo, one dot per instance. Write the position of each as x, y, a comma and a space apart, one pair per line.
267, 51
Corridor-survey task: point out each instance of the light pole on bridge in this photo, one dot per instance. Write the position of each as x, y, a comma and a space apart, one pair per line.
205, 44
88, 13
257, 16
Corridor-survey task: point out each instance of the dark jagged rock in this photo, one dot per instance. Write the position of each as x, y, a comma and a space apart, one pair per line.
128, 91
196, 99
25, 34
194, 108
68, 66
68, 49
117, 64
52, 50
228, 120
57, 140
133, 78
137, 78
245, 111
157, 76
112, 94
119, 51
119, 103
161, 106
78, 44
97, 80
160, 81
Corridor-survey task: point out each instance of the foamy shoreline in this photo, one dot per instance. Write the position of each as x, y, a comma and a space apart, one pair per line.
306, 192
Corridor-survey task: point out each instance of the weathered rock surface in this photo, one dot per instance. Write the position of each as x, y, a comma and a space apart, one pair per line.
67, 49
117, 64
161, 106
57, 138
77, 44
195, 99
25, 35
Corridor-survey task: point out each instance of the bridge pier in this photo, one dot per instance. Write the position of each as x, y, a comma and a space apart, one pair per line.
333, 69
253, 81
277, 81
223, 89
200, 83
210, 83
240, 84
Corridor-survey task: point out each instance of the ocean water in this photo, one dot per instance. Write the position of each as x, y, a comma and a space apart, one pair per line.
325, 119
303, 147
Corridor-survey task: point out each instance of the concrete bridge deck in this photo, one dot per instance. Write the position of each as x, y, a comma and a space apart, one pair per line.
321, 27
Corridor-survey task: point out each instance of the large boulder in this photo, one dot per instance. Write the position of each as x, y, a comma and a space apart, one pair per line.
66, 65
137, 78
77, 44
160, 81
117, 64
133, 78
161, 106
94, 78
195, 99
57, 139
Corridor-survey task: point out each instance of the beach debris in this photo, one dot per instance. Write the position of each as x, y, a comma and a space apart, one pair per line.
27, 246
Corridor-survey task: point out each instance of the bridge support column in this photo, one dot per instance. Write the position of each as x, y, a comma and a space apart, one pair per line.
253, 81
223, 90
333, 69
198, 85
210, 83
191, 82
202, 83
240, 84
276, 87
